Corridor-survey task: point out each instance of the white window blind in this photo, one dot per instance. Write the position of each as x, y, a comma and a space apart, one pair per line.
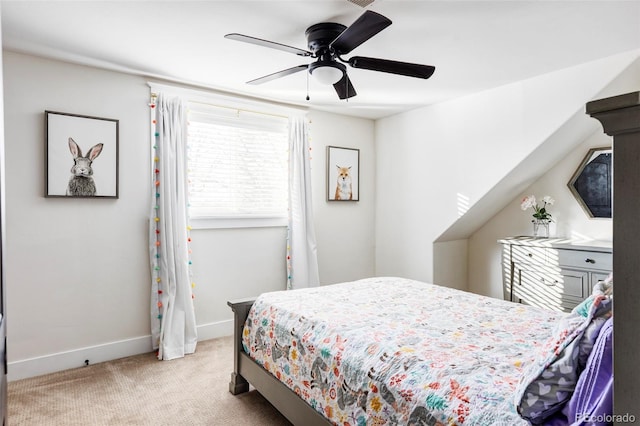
237, 163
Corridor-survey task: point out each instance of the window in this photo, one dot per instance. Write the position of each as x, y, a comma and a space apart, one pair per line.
238, 167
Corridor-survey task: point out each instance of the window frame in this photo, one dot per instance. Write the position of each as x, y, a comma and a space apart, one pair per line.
195, 96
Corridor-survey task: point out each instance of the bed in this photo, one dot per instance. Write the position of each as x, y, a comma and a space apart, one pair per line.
551, 347
389, 351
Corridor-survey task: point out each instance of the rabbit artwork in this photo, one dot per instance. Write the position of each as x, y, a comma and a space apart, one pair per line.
81, 182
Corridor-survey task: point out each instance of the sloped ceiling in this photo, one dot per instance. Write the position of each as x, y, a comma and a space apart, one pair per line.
565, 131
474, 45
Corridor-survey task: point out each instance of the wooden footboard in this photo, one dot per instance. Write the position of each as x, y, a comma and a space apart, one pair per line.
240, 308
246, 370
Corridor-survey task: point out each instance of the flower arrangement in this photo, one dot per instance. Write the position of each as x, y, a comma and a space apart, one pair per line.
540, 212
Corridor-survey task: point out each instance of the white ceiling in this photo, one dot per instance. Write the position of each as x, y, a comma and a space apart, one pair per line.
474, 45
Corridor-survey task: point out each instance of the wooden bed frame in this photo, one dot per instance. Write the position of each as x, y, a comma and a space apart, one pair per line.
246, 370
620, 117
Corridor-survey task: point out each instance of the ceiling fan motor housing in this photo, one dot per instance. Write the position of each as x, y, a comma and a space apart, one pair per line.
319, 36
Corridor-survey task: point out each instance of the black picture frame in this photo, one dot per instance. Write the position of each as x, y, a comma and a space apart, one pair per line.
343, 164
81, 156
591, 184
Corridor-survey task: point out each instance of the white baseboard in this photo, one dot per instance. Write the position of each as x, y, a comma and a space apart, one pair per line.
52, 363
46, 364
213, 330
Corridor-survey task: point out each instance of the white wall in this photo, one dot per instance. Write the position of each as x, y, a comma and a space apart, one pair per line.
437, 164
570, 220
76, 269
344, 230
3, 232
78, 277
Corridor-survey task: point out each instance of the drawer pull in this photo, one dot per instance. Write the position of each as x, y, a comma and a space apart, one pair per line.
549, 283
590, 260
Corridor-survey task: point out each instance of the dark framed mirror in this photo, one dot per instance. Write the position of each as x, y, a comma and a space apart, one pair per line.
591, 183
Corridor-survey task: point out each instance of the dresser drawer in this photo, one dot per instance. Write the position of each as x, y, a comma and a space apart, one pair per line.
529, 255
584, 259
551, 273
561, 290
574, 284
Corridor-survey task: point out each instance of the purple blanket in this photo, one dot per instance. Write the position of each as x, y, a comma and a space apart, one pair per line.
592, 402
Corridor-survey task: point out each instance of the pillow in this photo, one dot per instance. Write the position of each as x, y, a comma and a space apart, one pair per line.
604, 287
548, 382
601, 313
588, 339
594, 392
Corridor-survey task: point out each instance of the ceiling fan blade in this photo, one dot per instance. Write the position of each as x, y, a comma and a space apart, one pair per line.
366, 26
344, 88
278, 74
267, 43
393, 67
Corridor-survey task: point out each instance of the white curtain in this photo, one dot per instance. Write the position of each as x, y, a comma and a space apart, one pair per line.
172, 313
302, 259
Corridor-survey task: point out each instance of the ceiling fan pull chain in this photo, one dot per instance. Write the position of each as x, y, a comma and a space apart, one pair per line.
308, 86
346, 83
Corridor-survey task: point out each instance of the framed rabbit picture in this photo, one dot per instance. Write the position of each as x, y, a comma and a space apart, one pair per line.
81, 156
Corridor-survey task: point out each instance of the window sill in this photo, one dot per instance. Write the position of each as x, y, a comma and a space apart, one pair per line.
236, 222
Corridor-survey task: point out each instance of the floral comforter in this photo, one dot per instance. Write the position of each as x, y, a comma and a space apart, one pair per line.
390, 351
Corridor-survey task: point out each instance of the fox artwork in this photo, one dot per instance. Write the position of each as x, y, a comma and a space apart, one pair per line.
344, 185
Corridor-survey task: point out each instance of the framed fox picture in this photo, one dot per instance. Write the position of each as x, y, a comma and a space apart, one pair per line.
343, 174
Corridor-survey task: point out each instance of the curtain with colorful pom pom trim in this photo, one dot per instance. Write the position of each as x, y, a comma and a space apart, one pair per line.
173, 319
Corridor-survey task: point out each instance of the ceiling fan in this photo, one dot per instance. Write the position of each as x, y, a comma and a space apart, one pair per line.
327, 42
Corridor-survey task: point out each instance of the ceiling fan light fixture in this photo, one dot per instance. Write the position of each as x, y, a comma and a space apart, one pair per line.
327, 72
361, 3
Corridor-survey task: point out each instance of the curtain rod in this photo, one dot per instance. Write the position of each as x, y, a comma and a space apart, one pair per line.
201, 93
154, 96
239, 109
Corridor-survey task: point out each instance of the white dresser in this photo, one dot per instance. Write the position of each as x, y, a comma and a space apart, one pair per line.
553, 273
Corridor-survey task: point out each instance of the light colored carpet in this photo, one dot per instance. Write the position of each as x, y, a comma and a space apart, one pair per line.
141, 390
